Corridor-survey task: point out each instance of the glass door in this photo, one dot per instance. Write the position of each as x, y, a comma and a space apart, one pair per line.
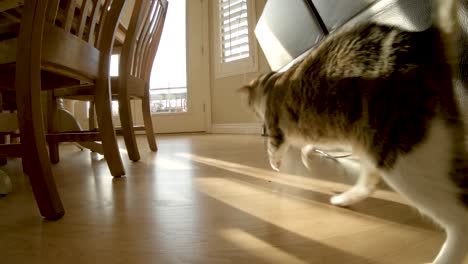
179, 85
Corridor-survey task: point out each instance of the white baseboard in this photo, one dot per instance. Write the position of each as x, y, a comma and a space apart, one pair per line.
237, 128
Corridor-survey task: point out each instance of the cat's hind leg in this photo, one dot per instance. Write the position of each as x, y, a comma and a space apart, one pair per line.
423, 177
364, 187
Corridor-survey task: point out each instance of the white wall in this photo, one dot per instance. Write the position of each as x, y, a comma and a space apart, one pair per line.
228, 106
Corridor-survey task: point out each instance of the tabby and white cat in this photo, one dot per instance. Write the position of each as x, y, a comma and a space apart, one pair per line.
389, 94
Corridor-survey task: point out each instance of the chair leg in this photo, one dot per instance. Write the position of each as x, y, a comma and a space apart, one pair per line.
3, 161
52, 116
92, 116
54, 155
30, 120
146, 109
103, 106
126, 121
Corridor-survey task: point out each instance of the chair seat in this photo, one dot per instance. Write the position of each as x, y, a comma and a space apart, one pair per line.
50, 80
81, 64
58, 58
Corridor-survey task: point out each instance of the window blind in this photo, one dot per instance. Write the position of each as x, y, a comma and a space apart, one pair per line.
234, 31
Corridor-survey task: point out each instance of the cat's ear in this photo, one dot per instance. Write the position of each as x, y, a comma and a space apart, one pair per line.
246, 89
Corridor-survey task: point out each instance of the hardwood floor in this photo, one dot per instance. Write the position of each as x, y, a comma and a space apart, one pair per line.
209, 199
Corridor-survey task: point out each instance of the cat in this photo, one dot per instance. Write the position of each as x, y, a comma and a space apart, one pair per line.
389, 94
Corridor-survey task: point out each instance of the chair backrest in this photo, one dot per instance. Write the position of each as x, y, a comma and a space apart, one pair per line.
78, 36
142, 38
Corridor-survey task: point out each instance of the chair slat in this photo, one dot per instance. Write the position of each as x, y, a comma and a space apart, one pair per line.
140, 37
150, 55
147, 47
94, 19
148, 36
83, 17
99, 33
147, 6
147, 17
129, 47
69, 15
52, 9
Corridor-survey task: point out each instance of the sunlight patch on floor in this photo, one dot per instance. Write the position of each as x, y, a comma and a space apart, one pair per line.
172, 164
250, 243
288, 212
303, 182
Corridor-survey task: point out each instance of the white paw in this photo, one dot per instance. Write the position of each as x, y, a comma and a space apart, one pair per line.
305, 160
275, 163
349, 197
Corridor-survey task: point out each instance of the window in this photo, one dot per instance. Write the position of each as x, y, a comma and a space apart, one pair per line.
235, 45
168, 83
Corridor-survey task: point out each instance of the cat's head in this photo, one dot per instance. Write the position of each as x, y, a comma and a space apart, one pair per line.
257, 91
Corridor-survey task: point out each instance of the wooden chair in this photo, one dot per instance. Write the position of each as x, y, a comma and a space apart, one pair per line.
59, 44
100, 93
136, 61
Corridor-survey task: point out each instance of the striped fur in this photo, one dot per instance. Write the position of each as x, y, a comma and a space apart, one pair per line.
388, 93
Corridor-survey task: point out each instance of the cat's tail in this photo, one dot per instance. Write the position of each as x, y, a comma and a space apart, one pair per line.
445, 19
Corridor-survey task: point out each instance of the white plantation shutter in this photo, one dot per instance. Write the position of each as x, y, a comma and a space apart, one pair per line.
234, 27
235, 51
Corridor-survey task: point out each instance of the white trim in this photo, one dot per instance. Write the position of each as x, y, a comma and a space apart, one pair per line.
238, 128
205, 65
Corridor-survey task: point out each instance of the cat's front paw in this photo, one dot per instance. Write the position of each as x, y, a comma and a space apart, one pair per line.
275, 163
349, 197
307, 155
